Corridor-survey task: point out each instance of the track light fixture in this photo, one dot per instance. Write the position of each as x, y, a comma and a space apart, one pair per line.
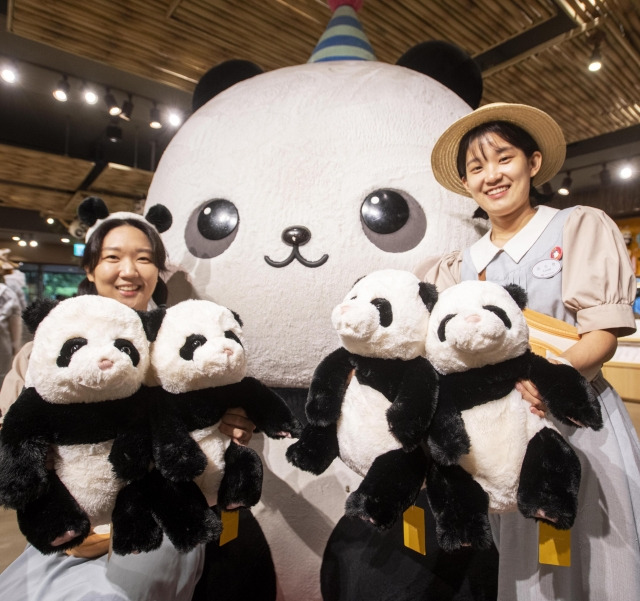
112, 105
565, 188
595, 61
154, 117
61, 91
89, 94
114, 131
9, 74
127, 108
605, 175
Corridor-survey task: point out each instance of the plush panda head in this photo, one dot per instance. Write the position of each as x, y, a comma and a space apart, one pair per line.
288, 185
198, 345
476, 323
385, 315
86, 349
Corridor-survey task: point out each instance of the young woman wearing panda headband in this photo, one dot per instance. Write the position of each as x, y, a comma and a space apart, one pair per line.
124, 258
574, 266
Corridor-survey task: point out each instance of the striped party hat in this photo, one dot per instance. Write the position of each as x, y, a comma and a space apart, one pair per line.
344, 39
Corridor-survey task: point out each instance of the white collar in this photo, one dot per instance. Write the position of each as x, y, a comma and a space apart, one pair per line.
484, 251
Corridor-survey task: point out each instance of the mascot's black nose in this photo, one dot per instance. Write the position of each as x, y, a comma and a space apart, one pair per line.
296, 235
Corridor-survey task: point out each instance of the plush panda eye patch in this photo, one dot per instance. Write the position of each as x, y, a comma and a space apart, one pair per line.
191, 344
67, 350
442, 336
128, 348
500, 313
231, 336
384, 308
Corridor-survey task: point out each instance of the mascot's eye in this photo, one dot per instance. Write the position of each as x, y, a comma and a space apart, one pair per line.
211, 228
392, 220
68, 349
126, 347
192, 342
231, 336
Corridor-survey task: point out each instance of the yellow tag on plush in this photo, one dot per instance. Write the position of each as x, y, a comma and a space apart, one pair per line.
413, 525
554, 546
230, 520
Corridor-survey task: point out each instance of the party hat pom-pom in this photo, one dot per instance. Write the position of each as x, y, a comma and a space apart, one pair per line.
344, 39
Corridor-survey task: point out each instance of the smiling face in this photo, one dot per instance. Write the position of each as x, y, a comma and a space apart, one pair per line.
498, 175
126, 271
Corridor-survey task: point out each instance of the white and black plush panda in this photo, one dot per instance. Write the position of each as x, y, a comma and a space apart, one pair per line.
83, 397
491, 454
198, 359
371, 401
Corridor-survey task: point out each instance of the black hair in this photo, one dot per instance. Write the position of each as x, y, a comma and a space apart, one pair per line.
93, 250
514, 135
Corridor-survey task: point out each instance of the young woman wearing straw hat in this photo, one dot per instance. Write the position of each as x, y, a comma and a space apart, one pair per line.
574, 266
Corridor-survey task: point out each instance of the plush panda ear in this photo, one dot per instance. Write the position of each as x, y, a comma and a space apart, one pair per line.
151, 322
159, 216
428, 294
36, 312
449, 65
518, 294
91, 209
219, 78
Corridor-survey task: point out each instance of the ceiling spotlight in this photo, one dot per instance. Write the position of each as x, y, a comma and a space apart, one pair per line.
175, 118
595, 62
50, 220
605, 175
90, 96
625, 172
33, 243
65, 240
22, 243
16, 238
9, 74
154, 117
61, 91
112, 105
565, 188
127, 108
114, 132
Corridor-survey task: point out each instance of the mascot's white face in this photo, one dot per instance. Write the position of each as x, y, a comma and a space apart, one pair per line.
474, 324
288, 186
88, 349
384, 315
198, 346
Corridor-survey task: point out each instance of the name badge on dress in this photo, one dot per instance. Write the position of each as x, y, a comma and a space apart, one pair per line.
546, 268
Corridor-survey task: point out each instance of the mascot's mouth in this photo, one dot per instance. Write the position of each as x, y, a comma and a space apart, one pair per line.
295, 237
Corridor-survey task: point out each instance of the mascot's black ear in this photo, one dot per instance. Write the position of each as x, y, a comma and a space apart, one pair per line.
159, 216
91, 209
36, 312
518, 294
429, 295
151, 322
449, 65
237, 317
219, 78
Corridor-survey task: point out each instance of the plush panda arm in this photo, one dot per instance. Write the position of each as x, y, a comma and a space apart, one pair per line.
328, 387
266, 409
570, 398
24, 443
413, 407
316, 449
447, 438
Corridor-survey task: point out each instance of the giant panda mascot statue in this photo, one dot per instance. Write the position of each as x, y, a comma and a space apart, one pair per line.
283, 188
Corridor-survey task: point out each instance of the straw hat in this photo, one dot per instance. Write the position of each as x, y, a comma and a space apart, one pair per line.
540, 126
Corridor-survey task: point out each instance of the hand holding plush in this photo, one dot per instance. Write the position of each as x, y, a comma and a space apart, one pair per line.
490, 452
371, 401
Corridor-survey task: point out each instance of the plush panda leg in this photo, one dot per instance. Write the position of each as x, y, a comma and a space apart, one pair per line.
316, 449
241, 484
389, 487
52, 515
182, 511
134, 527
460, 506
549, 480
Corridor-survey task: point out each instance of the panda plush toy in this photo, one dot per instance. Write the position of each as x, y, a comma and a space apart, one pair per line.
491, 454
82, 397
199, 364
371, 401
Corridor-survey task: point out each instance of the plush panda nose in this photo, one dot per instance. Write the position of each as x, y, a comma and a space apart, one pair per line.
105, 364
227, 351
473, 318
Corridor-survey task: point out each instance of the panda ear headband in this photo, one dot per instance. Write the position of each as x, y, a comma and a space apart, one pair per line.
93, 211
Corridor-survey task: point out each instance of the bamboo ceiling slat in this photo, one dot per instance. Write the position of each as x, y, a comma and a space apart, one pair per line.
30, 198
123, 181
24, 166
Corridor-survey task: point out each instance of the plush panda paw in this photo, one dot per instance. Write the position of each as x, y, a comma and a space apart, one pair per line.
373, 509
315, 450
453, 533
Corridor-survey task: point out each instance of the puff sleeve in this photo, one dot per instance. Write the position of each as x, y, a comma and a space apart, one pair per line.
597, 281
443, 271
